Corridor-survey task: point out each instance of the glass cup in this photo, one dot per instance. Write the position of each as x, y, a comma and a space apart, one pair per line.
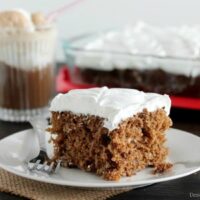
27, 62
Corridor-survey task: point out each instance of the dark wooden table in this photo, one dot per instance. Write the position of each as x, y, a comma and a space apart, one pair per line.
183, 189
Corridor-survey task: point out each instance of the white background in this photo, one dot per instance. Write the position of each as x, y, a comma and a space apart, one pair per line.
94, 15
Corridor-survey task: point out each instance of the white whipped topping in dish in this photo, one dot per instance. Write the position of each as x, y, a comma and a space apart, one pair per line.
114, 105
115, 49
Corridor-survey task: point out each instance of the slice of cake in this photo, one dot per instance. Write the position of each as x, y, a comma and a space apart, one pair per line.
112, 132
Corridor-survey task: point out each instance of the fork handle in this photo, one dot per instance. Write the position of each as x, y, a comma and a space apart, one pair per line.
39, 125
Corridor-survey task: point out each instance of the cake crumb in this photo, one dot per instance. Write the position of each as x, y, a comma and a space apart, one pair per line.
162, 167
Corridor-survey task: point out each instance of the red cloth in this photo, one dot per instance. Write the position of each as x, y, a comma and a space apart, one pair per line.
64, 82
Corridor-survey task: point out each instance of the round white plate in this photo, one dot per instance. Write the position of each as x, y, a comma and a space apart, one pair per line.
184, 154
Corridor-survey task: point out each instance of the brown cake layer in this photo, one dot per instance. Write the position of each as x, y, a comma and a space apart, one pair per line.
25, 89
138, 142
156, 80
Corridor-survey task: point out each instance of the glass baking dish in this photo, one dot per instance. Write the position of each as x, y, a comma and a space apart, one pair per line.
179, 76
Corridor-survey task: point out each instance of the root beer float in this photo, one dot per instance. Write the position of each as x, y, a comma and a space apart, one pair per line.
27, 45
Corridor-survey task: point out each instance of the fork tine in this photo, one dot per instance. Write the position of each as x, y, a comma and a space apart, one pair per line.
50, 170
41, 168
34, 166
30, 165
57, 166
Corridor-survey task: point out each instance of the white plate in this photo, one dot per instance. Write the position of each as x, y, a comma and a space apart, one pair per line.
184, 154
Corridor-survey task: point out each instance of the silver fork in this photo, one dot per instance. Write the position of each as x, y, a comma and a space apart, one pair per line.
42, 162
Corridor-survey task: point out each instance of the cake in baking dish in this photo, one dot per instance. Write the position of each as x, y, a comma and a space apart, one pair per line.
111, 132
141, 56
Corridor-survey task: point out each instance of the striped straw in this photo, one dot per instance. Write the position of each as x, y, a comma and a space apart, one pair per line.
53, 15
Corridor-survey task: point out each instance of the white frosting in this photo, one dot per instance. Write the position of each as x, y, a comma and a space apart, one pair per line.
115, 49
114, 104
